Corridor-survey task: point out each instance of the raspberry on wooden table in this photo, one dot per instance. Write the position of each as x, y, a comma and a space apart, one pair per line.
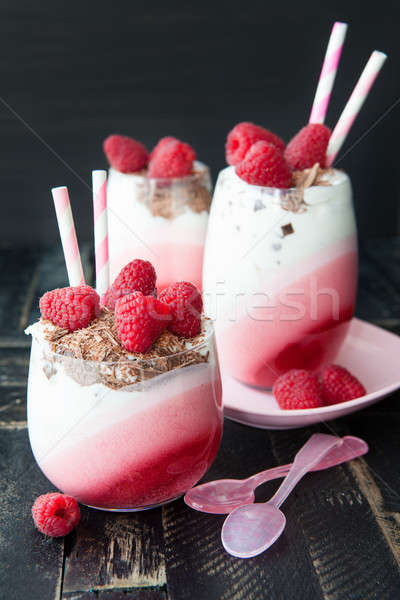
186, 304
243, 136
339, 385
298, 389
70, 307
171, 158
308, 147
265, 165
140, 320
125, 154
55, 514
137, 276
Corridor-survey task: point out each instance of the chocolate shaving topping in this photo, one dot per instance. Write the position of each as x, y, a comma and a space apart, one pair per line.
169, 199
292, 200
287, 229
108, 362
310, 177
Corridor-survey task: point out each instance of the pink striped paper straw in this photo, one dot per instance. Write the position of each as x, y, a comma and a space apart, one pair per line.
354, 104
68, 236
99, 180
328, 73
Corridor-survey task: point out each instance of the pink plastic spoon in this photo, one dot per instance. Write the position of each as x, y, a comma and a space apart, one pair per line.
224, 495
251, 529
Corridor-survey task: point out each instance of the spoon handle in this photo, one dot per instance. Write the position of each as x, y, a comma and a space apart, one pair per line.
308, 456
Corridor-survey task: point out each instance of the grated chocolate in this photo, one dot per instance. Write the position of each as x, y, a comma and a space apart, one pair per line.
108, 362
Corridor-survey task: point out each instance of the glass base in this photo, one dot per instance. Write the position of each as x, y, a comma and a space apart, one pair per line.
136, 509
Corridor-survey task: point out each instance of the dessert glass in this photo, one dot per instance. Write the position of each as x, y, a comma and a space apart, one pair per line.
280, 274
160, 220
118, 446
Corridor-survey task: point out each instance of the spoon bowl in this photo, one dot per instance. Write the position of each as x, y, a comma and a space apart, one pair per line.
252, 529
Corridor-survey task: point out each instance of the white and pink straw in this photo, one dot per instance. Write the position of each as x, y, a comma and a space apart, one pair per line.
354, 105
328, 73
99, 180
68, 236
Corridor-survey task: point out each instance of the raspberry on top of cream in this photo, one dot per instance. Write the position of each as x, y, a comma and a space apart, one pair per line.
169, 159
260, 157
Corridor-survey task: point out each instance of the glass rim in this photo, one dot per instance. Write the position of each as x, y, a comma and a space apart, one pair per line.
203, 170
207, 336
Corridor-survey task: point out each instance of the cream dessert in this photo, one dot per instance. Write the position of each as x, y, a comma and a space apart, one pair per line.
280, 267
121, 430
160, 212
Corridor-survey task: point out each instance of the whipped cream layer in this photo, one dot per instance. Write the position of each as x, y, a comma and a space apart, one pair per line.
160, 220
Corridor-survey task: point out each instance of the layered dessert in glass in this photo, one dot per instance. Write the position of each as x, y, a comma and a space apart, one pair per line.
280, 269
158, 210
114, 427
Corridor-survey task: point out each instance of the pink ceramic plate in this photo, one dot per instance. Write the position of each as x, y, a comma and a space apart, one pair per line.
371, 353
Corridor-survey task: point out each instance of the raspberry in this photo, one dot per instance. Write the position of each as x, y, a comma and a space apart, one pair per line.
125, 154
264, 165
55, 514
171, 158
186, 305
137, 276
308, 147
298, 389
140, 320
70, 307
161, 144
243, 136
339, 385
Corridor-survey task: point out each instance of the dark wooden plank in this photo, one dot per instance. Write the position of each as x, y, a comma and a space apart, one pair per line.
31, 564
13, 374
114, 550
195, 558
138, 594
18, 269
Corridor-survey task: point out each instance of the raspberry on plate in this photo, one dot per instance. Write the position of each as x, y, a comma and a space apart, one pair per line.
137, 276
140, 320
243, 136
125, 154
55, 514
298, 389
70, 307
186, 304
171, 158
339, 385
308, 147
265, 165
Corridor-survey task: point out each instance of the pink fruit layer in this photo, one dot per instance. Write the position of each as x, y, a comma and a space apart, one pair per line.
148, 458
172, 262
302, 327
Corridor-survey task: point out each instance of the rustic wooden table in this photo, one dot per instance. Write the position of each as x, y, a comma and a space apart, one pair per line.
342, 539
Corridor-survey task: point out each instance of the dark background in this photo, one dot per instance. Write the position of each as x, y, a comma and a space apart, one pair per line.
75, 72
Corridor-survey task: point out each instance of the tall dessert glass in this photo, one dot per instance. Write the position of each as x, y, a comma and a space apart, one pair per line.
280, 274
127, 435
160, 220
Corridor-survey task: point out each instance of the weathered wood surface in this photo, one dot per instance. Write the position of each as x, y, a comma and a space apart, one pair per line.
342, 539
